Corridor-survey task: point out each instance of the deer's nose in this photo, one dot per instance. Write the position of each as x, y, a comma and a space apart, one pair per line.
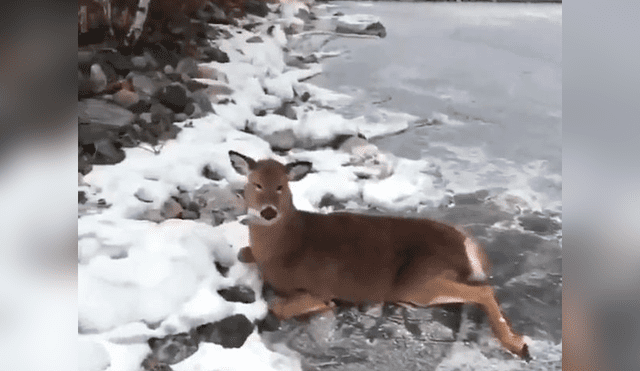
269, 213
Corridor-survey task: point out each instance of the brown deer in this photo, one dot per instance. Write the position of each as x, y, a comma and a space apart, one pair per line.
310, 259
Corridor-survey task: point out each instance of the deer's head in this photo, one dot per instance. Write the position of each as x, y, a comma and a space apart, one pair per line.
266, 193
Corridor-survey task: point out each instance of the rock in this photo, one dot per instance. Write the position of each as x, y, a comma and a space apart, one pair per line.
214, 91
188, 66
201, 99
151, 61
151, 364
142, 195
329, 200
139, 62
353, 142
144, 84
184, 199
153, 215
194, 86
90, 133
538, 223
286, 110
281, 140
211, 13
208, 173
146, 117
84, 166
163, 56
240, 294
171, 209
174, 96
173, 348
140, 107
254, 39
85, 86
230, 332
106, 153
181, 117
208, 72
256, 7
223, 270
119, 62
268, 324
101, 112
360, 24
97, 78
376, 29
82, 197
126, 98
304, 15
190, 215
212, 53
190, 108
85, 56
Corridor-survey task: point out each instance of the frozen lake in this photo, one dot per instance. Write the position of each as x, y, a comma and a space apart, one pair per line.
490, 73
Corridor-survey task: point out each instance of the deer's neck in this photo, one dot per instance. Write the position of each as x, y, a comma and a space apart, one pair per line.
280, 238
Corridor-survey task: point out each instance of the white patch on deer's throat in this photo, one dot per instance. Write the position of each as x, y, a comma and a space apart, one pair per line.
253, 212
477, 273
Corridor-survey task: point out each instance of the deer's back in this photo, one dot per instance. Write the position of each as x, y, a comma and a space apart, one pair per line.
358, 257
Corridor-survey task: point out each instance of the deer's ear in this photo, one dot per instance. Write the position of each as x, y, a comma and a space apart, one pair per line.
298, 170
241, 163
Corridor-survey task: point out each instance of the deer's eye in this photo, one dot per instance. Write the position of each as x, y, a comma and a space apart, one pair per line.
279, 189
258, 186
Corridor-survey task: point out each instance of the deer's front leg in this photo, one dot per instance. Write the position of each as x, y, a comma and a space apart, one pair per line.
297, 305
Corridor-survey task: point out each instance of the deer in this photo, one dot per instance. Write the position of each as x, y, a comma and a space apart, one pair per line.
313, 260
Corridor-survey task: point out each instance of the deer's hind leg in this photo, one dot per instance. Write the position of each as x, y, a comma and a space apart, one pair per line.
297, 305
441, 290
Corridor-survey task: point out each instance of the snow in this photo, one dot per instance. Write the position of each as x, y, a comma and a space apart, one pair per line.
139, 279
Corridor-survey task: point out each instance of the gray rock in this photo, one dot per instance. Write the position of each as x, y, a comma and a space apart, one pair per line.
98, 78
139, 62
181, 117
241, 294
230, 332
171, 209
107, 153
126, 98
85, 56
256, 7
281, 140
144, 84
188, 66
286, 110
203, 101
146, 117
207, 72
212, 53
174, 96
173, 348
97, 111
142, 195
254, 39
